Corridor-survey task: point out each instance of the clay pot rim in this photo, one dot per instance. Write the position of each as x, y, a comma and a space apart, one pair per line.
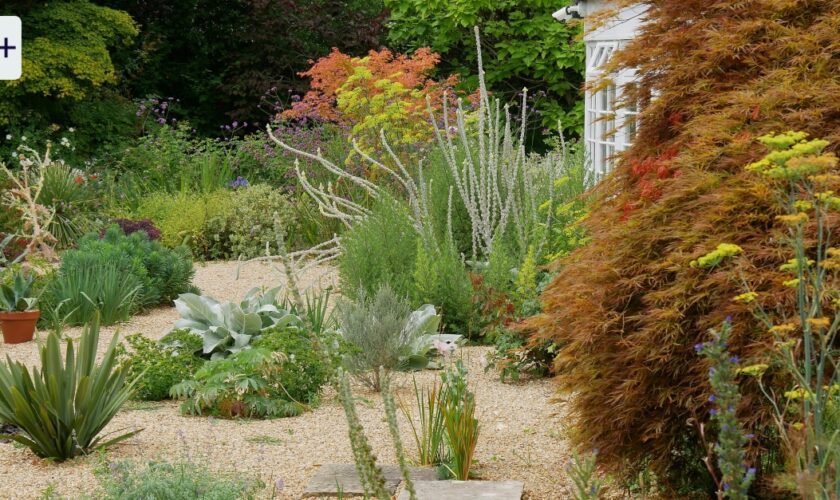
20, 314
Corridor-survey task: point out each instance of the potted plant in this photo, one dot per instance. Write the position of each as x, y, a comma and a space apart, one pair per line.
17, 310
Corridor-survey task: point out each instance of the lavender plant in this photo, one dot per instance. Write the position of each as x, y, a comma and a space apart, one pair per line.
736, 476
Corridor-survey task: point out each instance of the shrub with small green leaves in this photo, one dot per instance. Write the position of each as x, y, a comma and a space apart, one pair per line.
219, 224
281, 375
160, 364
440, 278
179, 480
379, 250
246, 229
183, 218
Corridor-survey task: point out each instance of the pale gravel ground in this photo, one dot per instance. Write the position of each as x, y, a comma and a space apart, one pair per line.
521, 435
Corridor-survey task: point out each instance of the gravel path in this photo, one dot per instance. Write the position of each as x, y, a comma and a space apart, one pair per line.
521, 431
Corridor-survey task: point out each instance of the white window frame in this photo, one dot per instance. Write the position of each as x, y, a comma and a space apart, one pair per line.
609, 131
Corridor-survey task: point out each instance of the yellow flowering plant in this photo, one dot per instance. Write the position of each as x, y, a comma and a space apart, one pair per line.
804, 177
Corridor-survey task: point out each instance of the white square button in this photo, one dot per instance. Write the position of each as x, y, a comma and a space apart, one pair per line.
10, 48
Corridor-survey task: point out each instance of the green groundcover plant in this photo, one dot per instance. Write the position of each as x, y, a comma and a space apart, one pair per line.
159, 365
171, 480
281, 375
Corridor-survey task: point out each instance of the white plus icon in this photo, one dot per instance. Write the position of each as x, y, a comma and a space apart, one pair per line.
10, 48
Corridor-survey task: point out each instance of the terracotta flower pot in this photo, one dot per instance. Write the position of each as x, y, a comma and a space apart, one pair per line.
18, 326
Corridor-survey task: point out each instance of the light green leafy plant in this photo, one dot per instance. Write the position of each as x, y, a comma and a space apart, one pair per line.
584, 476
226, 327
165, 480
62, 407
280, 376
383, 332
159, 365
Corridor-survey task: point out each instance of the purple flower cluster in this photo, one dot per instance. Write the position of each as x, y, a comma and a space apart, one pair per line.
156, 110
731, 440
239, 182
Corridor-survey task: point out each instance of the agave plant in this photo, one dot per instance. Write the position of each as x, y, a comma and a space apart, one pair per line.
227, 328
15, 297
62, 408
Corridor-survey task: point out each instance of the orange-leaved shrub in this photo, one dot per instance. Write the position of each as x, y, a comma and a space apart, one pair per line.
627, 308
381, 91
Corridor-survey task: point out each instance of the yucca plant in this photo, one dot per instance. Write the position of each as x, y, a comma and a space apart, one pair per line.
62, 407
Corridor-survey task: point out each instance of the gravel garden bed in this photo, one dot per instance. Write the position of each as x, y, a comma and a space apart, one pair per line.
522, 434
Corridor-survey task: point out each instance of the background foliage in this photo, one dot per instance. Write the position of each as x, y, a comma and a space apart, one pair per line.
219, 57
523, 47
68, 71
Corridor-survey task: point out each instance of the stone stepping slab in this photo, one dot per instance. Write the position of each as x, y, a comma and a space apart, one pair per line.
332, 476
466, 490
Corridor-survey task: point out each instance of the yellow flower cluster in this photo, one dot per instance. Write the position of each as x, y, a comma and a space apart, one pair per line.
798, 393
793, 265
746, 298
791, 283
713, 258
756, 370
793, 157
794, 219
819, 323
832, 262
783, 328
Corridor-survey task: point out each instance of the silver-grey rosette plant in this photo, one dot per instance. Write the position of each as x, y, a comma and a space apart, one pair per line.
226, 327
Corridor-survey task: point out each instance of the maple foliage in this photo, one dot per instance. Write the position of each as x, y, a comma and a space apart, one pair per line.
382, 90
627, 307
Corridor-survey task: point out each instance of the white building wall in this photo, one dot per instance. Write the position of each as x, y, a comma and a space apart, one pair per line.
608, 130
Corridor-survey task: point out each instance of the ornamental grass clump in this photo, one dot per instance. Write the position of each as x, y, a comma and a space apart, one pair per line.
628, 307
428, 431
459, 421
117, 275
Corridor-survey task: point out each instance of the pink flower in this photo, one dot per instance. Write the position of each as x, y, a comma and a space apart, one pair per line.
443, 348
